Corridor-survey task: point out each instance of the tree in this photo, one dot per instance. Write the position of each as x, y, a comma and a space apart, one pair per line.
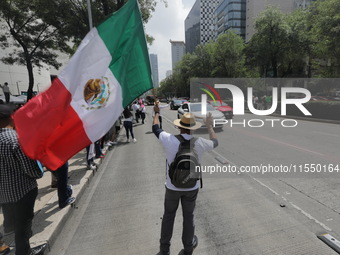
38, 29
298, 54
324, 20
268, 45
228, 57
77, 15
202, 61
34, 41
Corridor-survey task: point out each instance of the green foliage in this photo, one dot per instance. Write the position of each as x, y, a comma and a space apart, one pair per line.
228, 57
268, 45
223, 58
34, 41
33, 38
76, 16
304, 43
38, 30
324, 19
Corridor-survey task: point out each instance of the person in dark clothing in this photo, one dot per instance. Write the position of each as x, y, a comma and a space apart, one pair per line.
64, 190
19, 187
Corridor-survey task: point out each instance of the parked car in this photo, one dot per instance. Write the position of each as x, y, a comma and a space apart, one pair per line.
223, 107
175, 104
150, 100
163, 100
196, 109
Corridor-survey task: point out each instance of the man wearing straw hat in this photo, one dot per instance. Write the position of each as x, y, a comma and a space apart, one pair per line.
187, 124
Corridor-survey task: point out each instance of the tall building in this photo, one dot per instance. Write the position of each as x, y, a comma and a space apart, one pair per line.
168, 73
255, 7
199, 24
177, 52
303, 3
154, 70
231, 15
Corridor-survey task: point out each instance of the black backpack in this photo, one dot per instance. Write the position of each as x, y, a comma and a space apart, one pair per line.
184, 171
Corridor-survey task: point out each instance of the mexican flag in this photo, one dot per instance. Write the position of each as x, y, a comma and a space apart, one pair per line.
108, 71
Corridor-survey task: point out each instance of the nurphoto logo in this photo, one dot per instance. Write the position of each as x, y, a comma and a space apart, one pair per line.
279, 97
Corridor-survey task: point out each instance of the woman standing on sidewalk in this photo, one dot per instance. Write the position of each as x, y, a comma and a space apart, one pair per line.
128, 118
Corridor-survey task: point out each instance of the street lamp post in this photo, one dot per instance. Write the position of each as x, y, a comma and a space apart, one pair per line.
89, 12
18, 87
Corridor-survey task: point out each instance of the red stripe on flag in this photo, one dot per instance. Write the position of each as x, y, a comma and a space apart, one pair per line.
49, 129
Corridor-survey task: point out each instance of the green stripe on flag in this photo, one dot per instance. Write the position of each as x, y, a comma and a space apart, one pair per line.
123, 35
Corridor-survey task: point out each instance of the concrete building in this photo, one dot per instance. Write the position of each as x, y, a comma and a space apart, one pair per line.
168, 73
177, 52
255, 7
231, 15
17, 76
303, 3
199, 24
154, 70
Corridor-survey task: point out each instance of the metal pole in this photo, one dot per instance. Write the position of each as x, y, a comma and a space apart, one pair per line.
18, 87
89, 13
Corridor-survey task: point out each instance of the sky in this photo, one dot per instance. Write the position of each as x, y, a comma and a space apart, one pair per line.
167, 23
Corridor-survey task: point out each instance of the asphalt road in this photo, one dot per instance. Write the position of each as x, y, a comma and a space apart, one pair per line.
238, 212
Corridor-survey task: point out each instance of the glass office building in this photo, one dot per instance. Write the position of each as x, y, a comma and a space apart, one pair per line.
199, 24
231, 15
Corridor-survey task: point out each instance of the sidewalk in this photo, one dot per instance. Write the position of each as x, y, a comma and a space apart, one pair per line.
49, 218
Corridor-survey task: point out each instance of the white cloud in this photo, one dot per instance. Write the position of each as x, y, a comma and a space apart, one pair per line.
167, 23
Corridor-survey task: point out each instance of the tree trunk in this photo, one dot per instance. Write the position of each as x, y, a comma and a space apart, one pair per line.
30, 78
274, 66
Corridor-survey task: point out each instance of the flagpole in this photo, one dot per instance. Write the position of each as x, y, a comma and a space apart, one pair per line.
89, 13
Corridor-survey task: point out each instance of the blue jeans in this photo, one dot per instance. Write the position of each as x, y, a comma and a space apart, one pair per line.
171, 202
128, 129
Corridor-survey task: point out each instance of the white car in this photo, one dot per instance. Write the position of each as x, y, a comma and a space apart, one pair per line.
196, 109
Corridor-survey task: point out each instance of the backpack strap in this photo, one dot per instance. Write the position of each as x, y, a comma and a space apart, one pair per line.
181, 139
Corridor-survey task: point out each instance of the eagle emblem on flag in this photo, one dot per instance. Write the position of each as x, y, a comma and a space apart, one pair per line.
96, 93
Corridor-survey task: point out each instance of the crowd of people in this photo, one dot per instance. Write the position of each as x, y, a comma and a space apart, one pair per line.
19, 188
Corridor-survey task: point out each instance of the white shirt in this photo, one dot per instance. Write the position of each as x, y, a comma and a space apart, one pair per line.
5, 89
160, 107
135, 107
170, 144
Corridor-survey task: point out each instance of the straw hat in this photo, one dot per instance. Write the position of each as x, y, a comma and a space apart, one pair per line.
188, 122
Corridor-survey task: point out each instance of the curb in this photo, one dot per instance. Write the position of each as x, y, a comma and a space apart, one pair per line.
59, 218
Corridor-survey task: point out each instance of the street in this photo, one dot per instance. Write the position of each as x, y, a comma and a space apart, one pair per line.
280, 209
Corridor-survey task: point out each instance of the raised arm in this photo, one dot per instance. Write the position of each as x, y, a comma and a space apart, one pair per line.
155, 123
209, 122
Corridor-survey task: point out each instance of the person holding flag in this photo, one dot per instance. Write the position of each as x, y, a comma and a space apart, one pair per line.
109, 70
